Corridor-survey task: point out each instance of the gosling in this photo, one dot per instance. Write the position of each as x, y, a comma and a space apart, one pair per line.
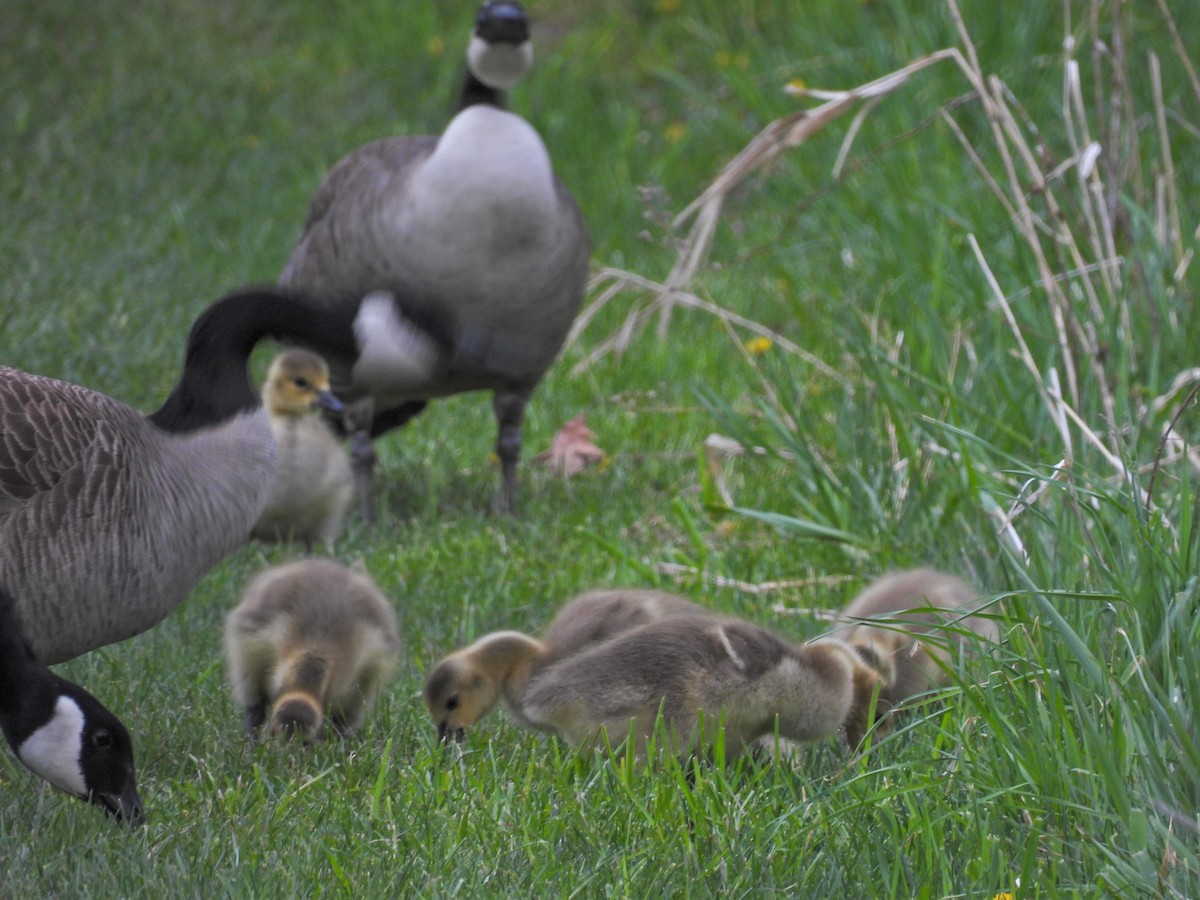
914, 650
313, 485
310, 639
701, 674
466, 685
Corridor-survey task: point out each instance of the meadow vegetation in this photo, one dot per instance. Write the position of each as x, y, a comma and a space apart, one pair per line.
973, 346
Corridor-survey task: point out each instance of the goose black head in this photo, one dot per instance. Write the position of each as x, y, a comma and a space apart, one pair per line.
84, 749
500, 51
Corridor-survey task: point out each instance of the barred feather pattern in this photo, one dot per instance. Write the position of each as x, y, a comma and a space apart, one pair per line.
107, 522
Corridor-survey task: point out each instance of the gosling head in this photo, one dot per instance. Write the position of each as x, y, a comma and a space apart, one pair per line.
296, 715
458, 693
86, 751
297, 384
500, 51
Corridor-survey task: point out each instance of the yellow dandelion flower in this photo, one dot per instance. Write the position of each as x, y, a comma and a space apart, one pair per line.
674, 132
758, 346
724, 59
435, 47
1007, 895
668, 6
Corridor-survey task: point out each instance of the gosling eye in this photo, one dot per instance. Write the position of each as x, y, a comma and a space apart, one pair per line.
303, 383
452, 703
102, 738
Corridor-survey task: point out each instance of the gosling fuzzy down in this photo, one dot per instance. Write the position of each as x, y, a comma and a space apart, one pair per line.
313, 485
309, 640
924, 624
466, 685
701, 674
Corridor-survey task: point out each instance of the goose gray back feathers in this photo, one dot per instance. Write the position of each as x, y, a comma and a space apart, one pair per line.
97, 503
108, 517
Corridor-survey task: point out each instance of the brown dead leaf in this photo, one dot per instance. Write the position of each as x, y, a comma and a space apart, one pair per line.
572, 449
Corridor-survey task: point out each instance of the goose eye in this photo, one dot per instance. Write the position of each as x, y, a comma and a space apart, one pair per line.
302, 383
452, 703
102, 738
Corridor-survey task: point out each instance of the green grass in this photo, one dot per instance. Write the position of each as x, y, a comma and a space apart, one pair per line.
153, 156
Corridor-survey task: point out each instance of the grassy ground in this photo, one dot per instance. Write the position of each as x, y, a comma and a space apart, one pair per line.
1026, 434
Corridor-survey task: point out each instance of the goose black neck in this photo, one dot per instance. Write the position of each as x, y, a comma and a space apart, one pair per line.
475, 92
215, 384
23, 680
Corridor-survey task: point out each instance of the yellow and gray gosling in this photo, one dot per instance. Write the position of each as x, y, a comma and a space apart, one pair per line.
310, 639
924, 623
466, 685
699, 674
313, 484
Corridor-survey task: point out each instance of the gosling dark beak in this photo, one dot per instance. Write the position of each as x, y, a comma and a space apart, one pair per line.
446, 733
326, 400
125, 807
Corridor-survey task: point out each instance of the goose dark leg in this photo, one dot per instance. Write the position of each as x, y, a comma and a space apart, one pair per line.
358, 421
510, 412
363, 426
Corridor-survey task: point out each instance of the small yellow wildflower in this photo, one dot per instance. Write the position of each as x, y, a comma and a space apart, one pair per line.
668, 6
435, 47
674, 132
758, 346
796, 86
724, 59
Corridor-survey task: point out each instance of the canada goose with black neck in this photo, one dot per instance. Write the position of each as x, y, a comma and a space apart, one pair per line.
109, 517
467, 253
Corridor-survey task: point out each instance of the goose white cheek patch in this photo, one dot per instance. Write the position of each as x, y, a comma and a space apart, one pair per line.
499, 66
53, 750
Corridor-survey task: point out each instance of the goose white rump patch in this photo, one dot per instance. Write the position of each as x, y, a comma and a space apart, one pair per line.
394, 354
53, 750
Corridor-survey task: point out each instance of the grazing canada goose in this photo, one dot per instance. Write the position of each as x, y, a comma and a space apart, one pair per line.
108, 517
706, 670
467, 684
309, 639
60, 731
468, 256
313, 485
913, 649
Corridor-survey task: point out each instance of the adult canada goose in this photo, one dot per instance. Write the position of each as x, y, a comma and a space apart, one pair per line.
109, 517
471, 255
467, 684
309, 639
702, 673
60, 731
313, 486
915, 649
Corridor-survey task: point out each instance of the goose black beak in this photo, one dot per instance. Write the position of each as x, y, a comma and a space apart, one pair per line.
125, 807
326, 400
446, 733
